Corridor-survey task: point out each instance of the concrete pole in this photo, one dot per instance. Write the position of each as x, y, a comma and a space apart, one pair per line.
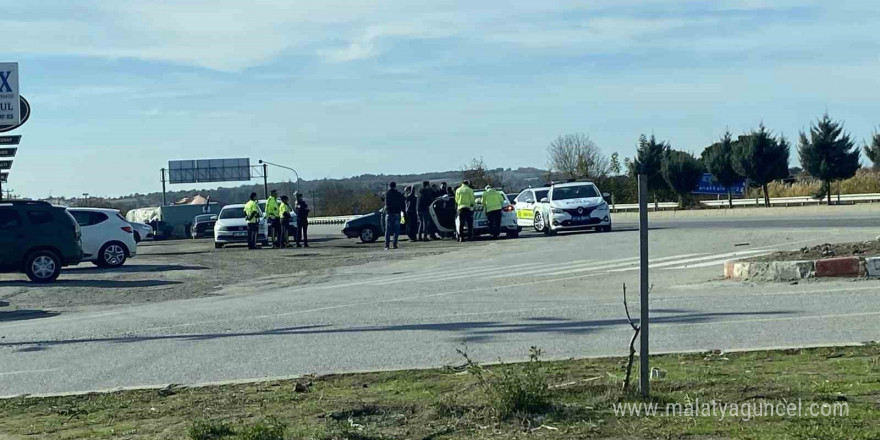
644, 287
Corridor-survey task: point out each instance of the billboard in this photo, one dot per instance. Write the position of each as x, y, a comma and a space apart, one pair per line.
209, 170
708, 185
10, 104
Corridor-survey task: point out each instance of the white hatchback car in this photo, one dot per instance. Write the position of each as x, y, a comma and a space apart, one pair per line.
231, 227
526, 203
107, 238
573, 205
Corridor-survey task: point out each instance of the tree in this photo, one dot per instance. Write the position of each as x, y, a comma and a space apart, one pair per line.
829, 154
718, 160
576, 156
479, 176
761, 158
648, 161
872, 150
615, 164
682, 171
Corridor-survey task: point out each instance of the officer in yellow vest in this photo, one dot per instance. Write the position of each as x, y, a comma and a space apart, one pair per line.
284, 214
493, 202
252, 216
464, 200
272, 218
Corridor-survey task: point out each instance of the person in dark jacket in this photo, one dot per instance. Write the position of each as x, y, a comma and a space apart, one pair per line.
411, 214
395, 204
426, 196
301, 208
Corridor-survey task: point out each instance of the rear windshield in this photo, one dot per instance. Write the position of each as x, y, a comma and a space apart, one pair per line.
574, 192
232, 213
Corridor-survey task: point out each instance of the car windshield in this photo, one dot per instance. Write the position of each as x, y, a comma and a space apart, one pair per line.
540, 194
204, 218
232, 213
574, 192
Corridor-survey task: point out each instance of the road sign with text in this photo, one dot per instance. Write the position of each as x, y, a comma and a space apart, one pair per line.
4, 177
10, 105
10, 140
5, 164
8, 152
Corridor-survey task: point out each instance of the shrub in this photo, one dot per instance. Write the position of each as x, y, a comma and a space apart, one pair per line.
210, 430
511, 389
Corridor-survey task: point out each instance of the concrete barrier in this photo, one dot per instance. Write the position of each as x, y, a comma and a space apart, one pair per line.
838, 267
782, 271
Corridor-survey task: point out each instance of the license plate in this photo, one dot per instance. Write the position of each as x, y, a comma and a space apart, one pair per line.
578, 218
240, 234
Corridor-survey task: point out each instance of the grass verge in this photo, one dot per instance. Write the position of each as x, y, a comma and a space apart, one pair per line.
538, 399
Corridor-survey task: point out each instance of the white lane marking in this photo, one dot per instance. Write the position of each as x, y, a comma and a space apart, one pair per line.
537, 270
713, 262
690, 260
629, 262
9, 373
436, 273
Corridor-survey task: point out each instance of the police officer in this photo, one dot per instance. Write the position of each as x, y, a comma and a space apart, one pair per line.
301, 209
272, 218
284, 214
464, 200
252, 216
493, 202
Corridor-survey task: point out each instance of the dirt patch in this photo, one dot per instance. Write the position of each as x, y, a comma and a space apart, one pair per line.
828, 250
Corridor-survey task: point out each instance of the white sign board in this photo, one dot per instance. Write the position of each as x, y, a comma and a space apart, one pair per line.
10, 106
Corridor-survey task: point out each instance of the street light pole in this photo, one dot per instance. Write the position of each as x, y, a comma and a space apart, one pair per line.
286, 168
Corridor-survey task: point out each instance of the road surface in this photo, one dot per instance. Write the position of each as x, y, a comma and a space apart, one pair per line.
562, 294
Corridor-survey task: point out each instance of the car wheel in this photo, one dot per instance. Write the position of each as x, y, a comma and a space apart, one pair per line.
112, 254
368, 234
137, 237
218, 245
42, 266
539, 222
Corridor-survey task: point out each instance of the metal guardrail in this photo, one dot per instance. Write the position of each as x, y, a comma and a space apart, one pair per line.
338, 220
634, 207
797, 201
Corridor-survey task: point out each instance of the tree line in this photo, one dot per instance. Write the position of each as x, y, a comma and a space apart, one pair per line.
826, 152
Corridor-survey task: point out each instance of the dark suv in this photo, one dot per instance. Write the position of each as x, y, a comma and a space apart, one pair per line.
38, 239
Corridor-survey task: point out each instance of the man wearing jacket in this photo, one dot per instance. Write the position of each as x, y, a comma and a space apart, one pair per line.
411, 214
394, 205
464, 200
493, 202
252, 217
426, 197
272, 218
301, 209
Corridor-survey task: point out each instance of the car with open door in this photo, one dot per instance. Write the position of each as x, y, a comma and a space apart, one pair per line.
445, 215
572, 206
107, 237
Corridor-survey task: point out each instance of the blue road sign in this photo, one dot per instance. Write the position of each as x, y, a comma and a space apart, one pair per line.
708, 185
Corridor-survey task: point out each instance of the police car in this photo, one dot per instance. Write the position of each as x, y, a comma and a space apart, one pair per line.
571, 206
444, 214
525, 204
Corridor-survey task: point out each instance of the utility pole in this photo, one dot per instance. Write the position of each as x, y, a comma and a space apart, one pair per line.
265, 181
314, 202
644, 287
164, 202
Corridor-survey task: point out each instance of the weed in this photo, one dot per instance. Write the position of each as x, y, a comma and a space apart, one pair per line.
210, 430
269, 429
513, 390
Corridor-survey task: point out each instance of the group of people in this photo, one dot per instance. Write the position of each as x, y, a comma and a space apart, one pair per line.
416, 204
278, 218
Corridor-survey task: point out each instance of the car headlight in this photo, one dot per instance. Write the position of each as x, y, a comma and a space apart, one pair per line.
603, 205
557, 211
222, 228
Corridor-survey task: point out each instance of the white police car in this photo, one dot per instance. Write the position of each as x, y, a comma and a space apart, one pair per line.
526, 203
571, 206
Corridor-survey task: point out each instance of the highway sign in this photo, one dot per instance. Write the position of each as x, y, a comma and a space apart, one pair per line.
4, 177
209, 170
708, 185
10, 105
10, 140
25, 114
8, 151
5, 164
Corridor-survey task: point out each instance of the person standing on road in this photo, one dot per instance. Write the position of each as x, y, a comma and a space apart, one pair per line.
464, 200
411, 213
493, 202
272, 218
301, 208
252, 216
394, 205
284, 214
426, 196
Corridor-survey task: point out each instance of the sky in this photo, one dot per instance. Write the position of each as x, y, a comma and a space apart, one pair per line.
341, 88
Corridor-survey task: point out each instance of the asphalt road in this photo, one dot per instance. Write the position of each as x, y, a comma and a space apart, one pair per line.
494, 300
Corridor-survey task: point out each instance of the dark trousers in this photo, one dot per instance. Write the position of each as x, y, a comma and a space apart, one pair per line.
465, 217
425, 225
412, 225
253, 229
275, 232
494, 218
302, 233
284, 228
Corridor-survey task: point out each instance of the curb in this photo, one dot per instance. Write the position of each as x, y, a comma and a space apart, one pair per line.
799, 270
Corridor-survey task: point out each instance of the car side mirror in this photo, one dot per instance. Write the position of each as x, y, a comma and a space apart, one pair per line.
545, 200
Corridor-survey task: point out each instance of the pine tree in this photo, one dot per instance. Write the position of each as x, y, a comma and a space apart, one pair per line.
614, 167
648, 161
872, 150
682, 171
829, 154
718, 160
761, 158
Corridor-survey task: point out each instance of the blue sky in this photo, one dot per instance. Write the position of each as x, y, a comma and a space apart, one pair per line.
340, 88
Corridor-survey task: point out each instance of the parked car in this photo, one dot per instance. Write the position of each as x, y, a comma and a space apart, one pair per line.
107, 238
292, 222
38, 239
445, 216
368, 227
231, 227
141, 231
525, 204
203, 226
572, 205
